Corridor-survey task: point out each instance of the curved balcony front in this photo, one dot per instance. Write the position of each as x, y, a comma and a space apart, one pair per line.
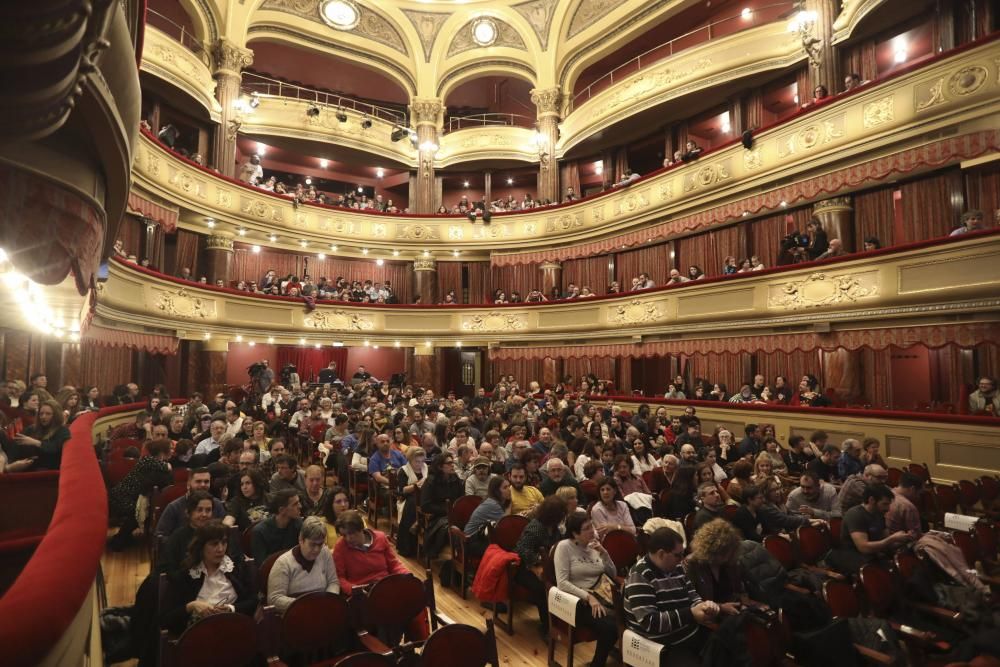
953, 98
166, 58
928, 283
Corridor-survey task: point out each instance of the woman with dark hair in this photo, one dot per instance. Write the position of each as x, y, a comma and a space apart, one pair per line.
536, 539
531, 460
608, 512
250, 505
149, 472
409, 482
695, 273
581, 563
872, 243
809, 394
742, 471
362, 555
441, 488
337, 502
69, 399
43, 441
364, 449
92, 398
780, 391
208, 583
642, 460
625, 479
818, 241
487, 513
705, 474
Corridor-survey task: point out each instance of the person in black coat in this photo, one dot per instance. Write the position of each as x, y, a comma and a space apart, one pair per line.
208, 583
441, 488
818, 241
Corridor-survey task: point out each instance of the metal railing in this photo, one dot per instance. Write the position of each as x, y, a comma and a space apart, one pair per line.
174, 30
262, 85
706, 33
489, 120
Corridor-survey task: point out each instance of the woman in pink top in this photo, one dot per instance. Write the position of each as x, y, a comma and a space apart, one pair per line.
609, 513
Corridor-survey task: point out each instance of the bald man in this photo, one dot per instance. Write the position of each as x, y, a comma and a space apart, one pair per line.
853, 490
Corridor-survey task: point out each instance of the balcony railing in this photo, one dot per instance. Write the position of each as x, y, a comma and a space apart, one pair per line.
175, 30
489, 120
262, 85
706, 33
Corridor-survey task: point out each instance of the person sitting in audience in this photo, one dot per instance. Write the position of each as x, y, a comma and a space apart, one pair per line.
763, 470
645, 282
150, 472
280, 531
540, 535
741, 471
872, 243
757, 517
663, 605
209, 582
818, 243
985, 399
477, 484
903, 514
410, 480
774, 452
813, 497
608, 512
713, 568
442, 488
820, 93
558, 475
287, 475
711, 504
852, 81
864, 536
809, 394
199, 507
314, 495
581, 564
691, 151
249, 504
251, 172
836, 249
627, 481
851, 461
39, 446
363, 555
798, 455
853, 488
826, 466
487, 513
972, 221
524, 498
307, 568
695, 273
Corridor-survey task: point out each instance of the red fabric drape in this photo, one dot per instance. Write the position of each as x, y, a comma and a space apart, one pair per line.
803, 85
652, 260
860, 58
621, 163
932, 205
982, 187
249, 265
792, 365
130, 233
708, 251
398, 273
187, 252
591, 272
309, 361
569, 174
479, 277
732, 370
873, 216
765, 237
523, 370
604, 368
449, 278
521, 278
753, 105
105, 367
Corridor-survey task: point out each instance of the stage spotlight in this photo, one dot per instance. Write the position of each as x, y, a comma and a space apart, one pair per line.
312, 111
398, 134
366, 123
341, 115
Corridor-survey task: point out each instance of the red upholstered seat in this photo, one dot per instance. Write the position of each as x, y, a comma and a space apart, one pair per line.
315, 627
199, 645
623, 548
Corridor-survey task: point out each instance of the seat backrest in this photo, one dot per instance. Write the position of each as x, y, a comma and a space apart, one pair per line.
920, 470
879, 586
986, 538
456, 645
508, 531
589, 489
967, 543
836, 524
989, 487
199, 645
842, 598
395, 601
461, 510
623, 547
968, 494
265, 571
361, 660
315, 625
657, 481
946, 498
814, 543
782, 550
894, 476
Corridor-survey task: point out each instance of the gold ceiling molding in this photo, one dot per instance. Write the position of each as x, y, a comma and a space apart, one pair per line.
507, 36
452, 78
587, 13
538, 14
373, 60
207, 17
427, 25
371, 24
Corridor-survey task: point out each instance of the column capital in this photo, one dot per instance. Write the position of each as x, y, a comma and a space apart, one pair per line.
833, 204
426, 111
550, 265
219, 242
229, 58
547, 101
424, 264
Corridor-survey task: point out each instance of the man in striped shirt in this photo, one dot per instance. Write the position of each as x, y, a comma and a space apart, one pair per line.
662, 604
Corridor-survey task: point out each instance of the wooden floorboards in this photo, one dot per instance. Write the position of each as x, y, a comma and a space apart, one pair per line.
124, 571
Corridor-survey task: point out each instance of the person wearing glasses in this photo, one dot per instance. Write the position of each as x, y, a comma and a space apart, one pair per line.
305, 568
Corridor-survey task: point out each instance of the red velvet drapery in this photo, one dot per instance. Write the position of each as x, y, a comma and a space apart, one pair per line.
874, 215
479, 278
186, 252
130, 233
105, 367
652, 260
709, 250
569, 175
591, 272
398, 273
931, 206
521, 278
765, 237
309, 361
860, 58
982, 187
251, 266
449, 279
603, 368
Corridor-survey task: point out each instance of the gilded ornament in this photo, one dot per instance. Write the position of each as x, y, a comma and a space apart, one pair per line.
597, 213
632, 202
254, 207
538, 14
496, 321
338, 320
219, 242
184, 304
530, 228
707, 175
428, 25
224, 198
587, 13
371, 24
424, 264
546, 100
417, 233
821, 289
634, 312
455, 233
379, 230
230, 58
878, 112
751, 160
564, 222
935, 95
967, 80
506, 36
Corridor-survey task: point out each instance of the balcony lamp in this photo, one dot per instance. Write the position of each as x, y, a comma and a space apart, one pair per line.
366, 123
312, 111
341, 115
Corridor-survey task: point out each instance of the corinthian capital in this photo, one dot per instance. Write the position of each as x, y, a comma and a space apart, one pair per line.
547, 101
230, 58
426, 111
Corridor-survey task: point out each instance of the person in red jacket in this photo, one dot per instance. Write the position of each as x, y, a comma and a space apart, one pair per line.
362, 555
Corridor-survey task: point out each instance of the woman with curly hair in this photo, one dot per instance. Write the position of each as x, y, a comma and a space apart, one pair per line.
713, 568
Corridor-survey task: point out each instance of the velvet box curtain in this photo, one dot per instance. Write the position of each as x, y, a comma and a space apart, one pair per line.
449, 278
790, 365
982, 187
603, 368
479, 276
621, 163
251, 266
732, 370
130, 233
520, 278
765, 238
874, 215
186, 252
591, 272
708, 251
931, 206
753, 109
861, 59
309, 361
652, 260
523, 370
398, 273
570, 178
877, 384
105, 367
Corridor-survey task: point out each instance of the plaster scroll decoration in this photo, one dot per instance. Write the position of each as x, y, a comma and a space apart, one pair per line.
635, 312
152, 164
564, 222
342, 226
371, 24
379, 230
530, 228
587, 13
751, 159
496, 321
301, 220
597, 213
417, 233
338, 320
428, 25
547, 101
426, 111
230, 58
822, 289
878, 112
967, 80
707, 175
647, 83
184, 304
167, 56
666, 190
632, 202
424, 264
929, 94
255, 207
507, 36
325, 224
812, 135
455, 233
486, 141
224, 198
185, 182
219, 242
538, 14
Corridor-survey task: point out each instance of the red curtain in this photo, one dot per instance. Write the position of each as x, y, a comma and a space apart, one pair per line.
765, 238
792, 365
591, 272
251, 266
569, 175
449, 278
754, 109
931, 206
621, 163
803, 85
186, 252
982, 187
309, 361
523, 370
105, 367
398, 273
730, 369
130, 233
521, 278
874, 215
603, 368
652, 260
479, 278
696, 251
859, 58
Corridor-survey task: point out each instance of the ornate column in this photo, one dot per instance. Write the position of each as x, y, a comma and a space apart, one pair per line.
425, 368
210, 365
548, 104
842, 372
427, 115
425, 280
217, 258
551, 277
228, 61
817, 40
837, 216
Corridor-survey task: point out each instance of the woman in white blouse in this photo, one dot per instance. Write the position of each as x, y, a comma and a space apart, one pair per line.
580, 563
306, 568
642, 460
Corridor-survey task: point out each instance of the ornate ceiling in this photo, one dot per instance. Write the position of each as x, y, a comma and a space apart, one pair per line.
429, 46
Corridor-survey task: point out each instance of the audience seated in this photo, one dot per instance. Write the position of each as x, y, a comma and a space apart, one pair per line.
280, 531
540, 535
308, 567
363, 555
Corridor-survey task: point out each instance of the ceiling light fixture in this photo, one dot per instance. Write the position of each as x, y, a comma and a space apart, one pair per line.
270, 339
255, 249
333, 248
242, 232
395, 253
321, 257
309, 181
484, 31
510, 181
380, 172
272, 238
340, 14
746, 13
324, 163
379, 261
210, 222
261, 149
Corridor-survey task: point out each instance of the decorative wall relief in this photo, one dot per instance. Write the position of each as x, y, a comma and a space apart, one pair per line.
634, 312
338, 320
822, 289
878, 112
181, 303
496, 321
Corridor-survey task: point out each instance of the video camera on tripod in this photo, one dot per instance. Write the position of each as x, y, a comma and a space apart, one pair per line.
253, 370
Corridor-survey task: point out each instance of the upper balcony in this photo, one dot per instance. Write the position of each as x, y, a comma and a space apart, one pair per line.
172, 54
928, 283
952, 96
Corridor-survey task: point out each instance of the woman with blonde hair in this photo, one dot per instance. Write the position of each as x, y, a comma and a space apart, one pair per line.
713, 568
258, 440
763, 469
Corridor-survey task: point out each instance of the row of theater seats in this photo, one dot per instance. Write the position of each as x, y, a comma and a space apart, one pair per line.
34, 494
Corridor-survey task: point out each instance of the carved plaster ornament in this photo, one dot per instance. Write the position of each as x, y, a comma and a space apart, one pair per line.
338, 320
587, 13
935, 96
879, 112
967, 80
417, 232
506, 36
495, 321
634, 312
371, 24
183, 304
428, 25
538, 14
821, 289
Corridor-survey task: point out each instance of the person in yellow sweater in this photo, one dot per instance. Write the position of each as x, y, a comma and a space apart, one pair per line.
523, 498
336, 502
